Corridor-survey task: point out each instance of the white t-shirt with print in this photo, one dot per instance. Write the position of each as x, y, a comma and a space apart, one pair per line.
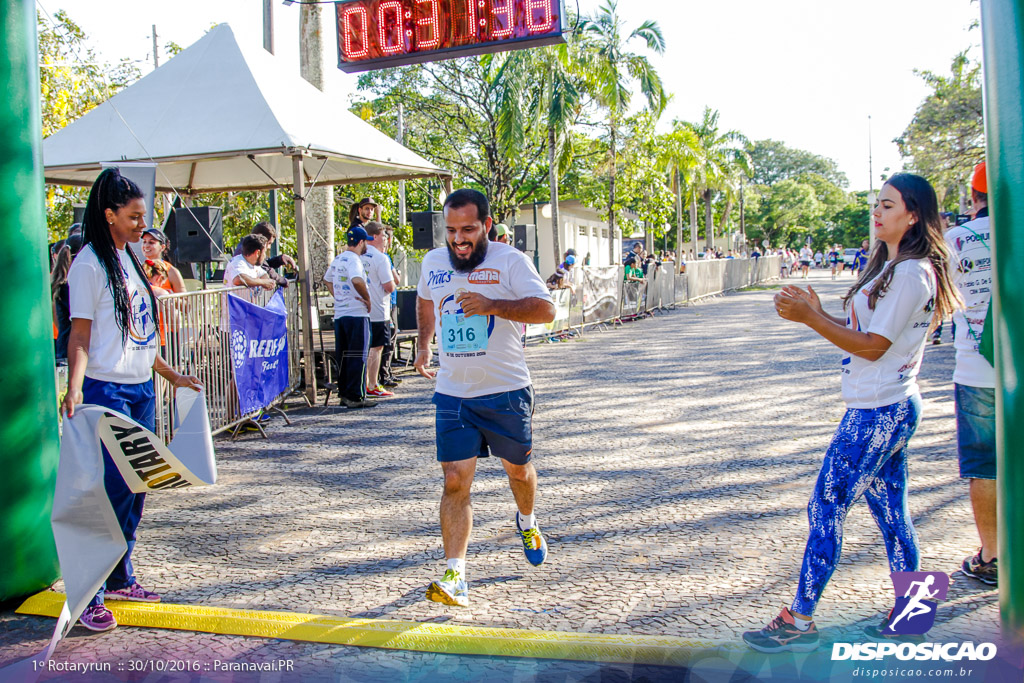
90, 299
377, 266
902, 315
239, 266
479, 355
346, 267
971, 245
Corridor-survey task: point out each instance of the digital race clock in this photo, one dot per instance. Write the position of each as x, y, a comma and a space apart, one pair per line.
374, 34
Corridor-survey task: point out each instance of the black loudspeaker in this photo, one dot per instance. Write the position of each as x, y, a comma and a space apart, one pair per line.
406, 309
79, 211
198, 235
524, 237
427, 229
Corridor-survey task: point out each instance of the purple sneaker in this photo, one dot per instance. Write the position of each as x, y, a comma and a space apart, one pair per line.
97, 618
134, 593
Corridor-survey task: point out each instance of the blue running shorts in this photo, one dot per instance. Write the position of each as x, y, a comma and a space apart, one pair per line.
476, 427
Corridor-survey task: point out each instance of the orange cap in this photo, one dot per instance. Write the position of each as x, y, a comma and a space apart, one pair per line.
979, 182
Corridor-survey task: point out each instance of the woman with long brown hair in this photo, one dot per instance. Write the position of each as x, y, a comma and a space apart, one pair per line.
904, 290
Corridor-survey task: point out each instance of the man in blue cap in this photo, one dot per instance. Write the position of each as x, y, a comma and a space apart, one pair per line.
346, 280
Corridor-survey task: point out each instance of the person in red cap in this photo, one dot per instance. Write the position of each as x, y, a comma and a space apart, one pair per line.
974, 379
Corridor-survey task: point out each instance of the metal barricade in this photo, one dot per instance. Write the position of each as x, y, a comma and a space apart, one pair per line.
195, 340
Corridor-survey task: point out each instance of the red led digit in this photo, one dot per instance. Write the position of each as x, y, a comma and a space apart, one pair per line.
548, 17
394, 7
428, 17
464, 27
502, 7
350, 31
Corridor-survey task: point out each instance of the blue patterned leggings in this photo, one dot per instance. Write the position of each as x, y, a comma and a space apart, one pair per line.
867, 456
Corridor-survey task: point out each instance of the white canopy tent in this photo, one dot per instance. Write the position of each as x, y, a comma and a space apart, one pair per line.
219, 117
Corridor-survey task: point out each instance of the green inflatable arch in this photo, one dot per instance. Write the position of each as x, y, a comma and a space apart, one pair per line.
28, 400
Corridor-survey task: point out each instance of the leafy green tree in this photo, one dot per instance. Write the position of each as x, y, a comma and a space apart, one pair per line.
642, 181
72, 81
681, 156
471, 116
613, 69
946, 137
783, 213
772, 161
723, 160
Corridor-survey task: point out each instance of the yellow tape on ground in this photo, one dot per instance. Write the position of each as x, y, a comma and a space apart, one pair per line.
396, 635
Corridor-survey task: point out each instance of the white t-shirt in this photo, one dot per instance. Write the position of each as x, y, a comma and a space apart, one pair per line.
346, 267
971, 246
377, 266
806, 254
479, 355
239, 266
902, 315
90, 299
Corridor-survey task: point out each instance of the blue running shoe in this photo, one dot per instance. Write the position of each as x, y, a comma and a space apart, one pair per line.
534, 545
450, 590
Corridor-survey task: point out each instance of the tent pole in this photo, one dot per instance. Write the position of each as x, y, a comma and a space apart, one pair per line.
306, 303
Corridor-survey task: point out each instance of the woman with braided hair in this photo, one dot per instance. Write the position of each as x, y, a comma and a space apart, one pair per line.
112, 354
904, 290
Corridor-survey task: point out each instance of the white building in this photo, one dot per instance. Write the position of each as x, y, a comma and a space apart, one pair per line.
582, 229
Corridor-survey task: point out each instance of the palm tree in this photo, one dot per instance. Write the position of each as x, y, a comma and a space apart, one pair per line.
612, 70
560, 101
723, 156
681, 158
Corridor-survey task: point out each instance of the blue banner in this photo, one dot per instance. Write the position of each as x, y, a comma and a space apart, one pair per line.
259, 349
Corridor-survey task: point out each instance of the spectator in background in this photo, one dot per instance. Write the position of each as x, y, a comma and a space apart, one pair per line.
501, 233
267, 231
161, 273
346, 281
386, 376
380, 283
586, 259
363, 212
66, 251
860, 261
246, 268
632, 272
562, 277
974, 378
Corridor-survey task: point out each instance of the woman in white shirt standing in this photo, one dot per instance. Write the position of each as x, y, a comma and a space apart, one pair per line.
112, 353
904, 290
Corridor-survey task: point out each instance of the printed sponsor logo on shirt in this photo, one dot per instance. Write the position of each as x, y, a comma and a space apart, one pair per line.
437, 278
485, 276
141, 327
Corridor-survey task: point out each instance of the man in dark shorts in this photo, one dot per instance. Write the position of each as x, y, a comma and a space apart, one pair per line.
475, 295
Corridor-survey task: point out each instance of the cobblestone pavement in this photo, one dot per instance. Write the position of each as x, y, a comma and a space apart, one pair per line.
676, 456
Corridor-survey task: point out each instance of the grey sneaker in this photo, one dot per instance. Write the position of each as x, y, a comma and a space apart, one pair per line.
986, 572
450, 590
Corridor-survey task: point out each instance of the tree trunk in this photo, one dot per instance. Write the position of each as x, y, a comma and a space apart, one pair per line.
553, 182
679, 217
709, 222
612, 256
725, 221
693, 223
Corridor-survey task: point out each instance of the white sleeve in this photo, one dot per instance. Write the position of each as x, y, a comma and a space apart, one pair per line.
422, 289
525, 281
383, 266
908, 294
86, 282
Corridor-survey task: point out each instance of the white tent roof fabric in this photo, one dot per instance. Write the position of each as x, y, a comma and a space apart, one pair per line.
203, 112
